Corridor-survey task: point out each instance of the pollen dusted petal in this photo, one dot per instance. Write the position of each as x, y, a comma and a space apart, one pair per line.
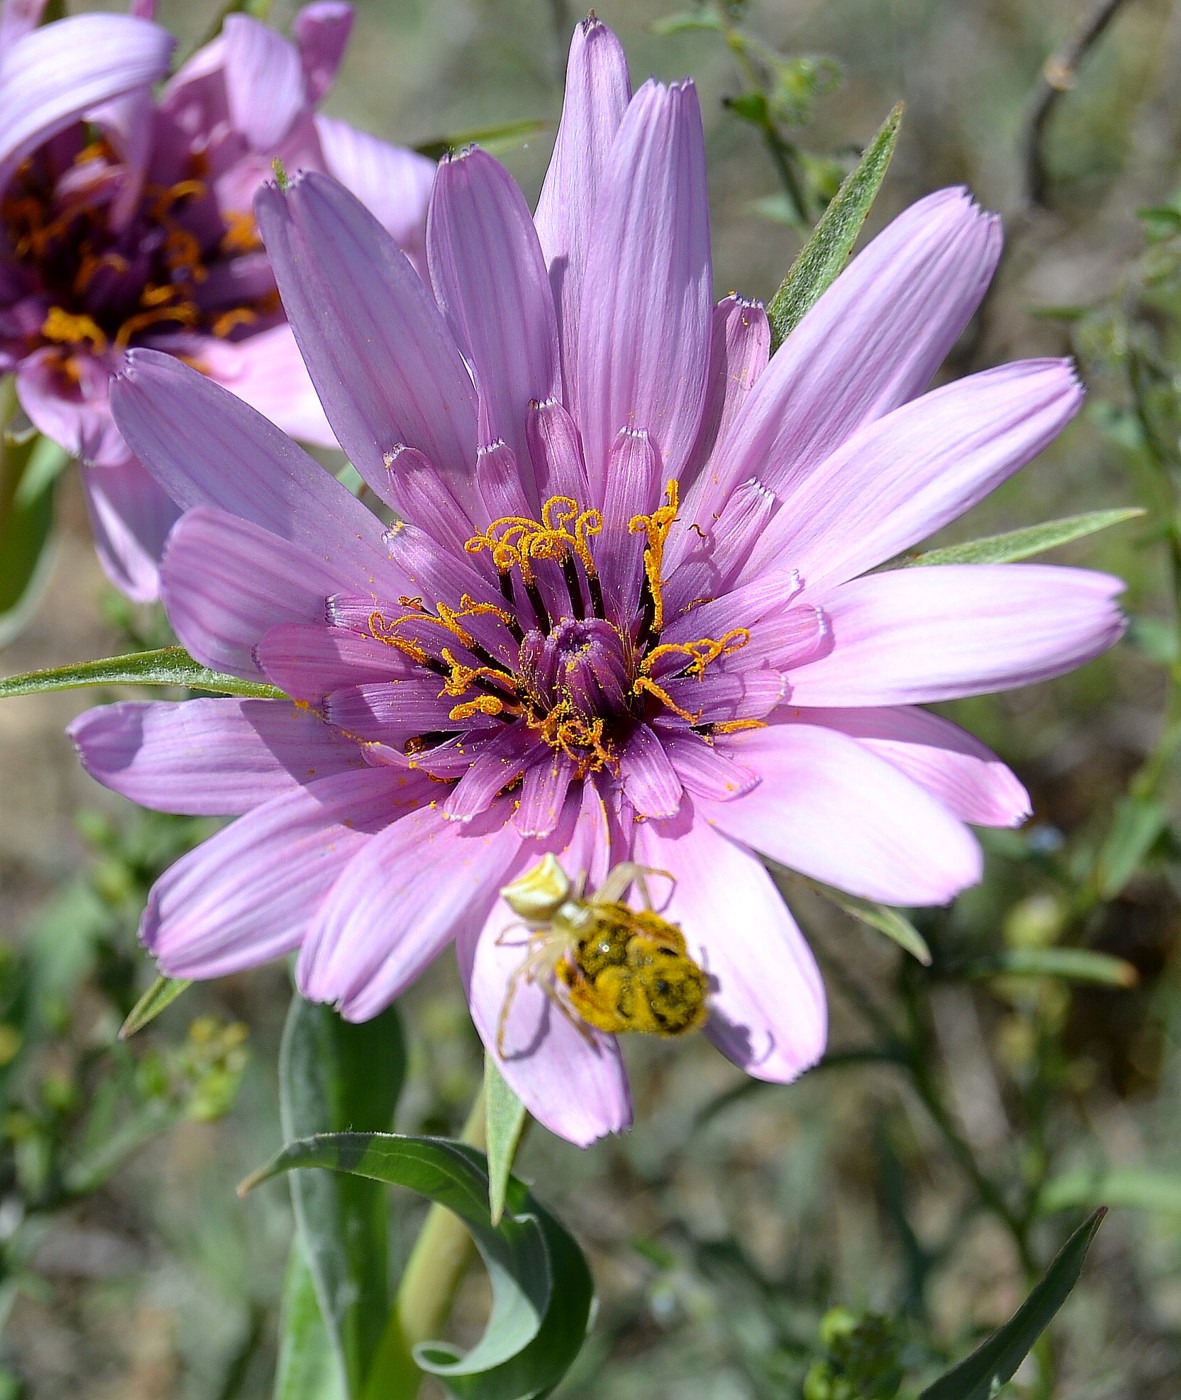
649, 778
728, 697
706, 768
498, 763
543, 791
393, 711
310, 660
556, 450
739, 349
444, 503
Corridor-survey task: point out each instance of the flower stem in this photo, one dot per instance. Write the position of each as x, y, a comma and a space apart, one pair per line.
436, 1267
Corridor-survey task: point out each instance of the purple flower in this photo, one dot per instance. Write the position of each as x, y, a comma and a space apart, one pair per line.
628, 615
125, 220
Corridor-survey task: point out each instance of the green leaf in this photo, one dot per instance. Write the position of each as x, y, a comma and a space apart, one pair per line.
993, 1363
1070, 964
505, 1117
825, 253
1023, 544
306, 1367
490, 137
1137, 1188
162, 993
334, 1075
886, 920
28, 474
1134, 830
686, 21
166, 666
541, 1286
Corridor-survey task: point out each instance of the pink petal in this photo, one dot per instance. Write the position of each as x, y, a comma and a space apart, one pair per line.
871, 342
267, 372
644, 335
597, 94
739, 349
967, 777
207, 448
310, 660
264, 81
248, 894
322, 33
925, 634
766, 1004
392, 182
50, 76
213, 758
829, 808
648, 776
376, 346
226, 582
130, 517
489, 276
904, 476
71, 410
705, 768
412, 889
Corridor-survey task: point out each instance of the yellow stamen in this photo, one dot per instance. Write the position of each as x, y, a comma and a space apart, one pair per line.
647, 684
481, 705
656, 526
185, 314
381, 630
229, 320
241, 235
68, 329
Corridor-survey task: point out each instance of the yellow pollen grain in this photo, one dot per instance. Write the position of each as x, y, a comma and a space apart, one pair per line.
67, 329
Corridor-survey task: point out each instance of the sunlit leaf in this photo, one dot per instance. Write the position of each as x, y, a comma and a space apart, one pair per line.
306, 1368
1138, 1188
165, 666
992, 1364
489, 137
335, 1075
541, 1287
886, 920
505, 1117
1134, 830
1025, 543
28, 474
161, 994
826, 252
1070, 964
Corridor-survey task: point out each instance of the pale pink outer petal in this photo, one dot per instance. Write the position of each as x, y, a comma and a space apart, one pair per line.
832, 810
54, 74
573, 1083
310, 661
488, 274
322, 33
267, 372
951, 764
72, 411
905, 476
130, 517
208, 758
766, 1003
208, 448
18, 18
377, 347
393, 182
644, 334
913, 636
597, 94
249, 893
412, 889
225, 582
264, 81
871, 342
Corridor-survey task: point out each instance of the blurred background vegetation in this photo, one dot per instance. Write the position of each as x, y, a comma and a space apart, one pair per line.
748, 1241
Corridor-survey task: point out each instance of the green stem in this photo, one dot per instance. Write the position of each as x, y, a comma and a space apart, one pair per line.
437, 1265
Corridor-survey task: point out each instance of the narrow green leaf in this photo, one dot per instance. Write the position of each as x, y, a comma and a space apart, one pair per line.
1134, 830
826, 252
1137, 1188
166, 666
886, 920
1024, 544
505, 1117
1070, 964
26, 524
993, 1363
334, 1075
541, 1286
490, 137
162, 993
306, 1367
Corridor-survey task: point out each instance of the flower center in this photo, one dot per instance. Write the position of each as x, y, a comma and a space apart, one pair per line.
95, 274
548, 656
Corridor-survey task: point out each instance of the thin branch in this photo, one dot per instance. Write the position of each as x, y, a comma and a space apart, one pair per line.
1058, 76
